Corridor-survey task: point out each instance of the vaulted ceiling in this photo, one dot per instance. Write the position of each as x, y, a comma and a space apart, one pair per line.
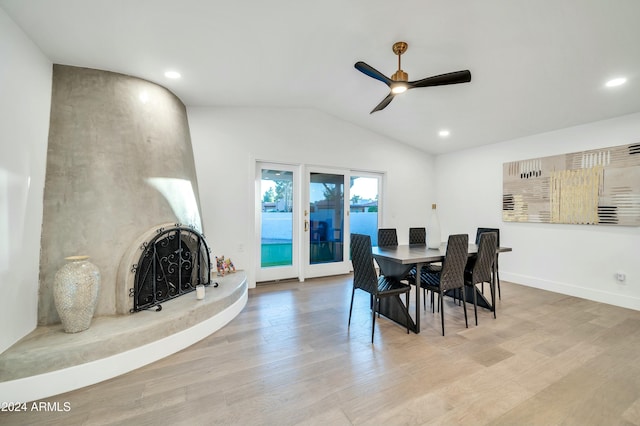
536, 65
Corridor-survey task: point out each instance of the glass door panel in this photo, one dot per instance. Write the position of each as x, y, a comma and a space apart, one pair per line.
325, 223
277, 227
326, 218
363, 206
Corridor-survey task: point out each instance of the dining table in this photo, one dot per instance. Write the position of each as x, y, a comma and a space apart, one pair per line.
397, 261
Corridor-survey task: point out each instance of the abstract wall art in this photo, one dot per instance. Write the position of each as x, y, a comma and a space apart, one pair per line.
595, 187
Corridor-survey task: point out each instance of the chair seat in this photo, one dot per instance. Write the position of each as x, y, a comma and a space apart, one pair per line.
430, 268
388, 286
430, 279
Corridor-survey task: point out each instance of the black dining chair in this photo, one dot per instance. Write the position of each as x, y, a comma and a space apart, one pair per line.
479, 269
481, 231
387, 237
418, 236
365, 278
451, 276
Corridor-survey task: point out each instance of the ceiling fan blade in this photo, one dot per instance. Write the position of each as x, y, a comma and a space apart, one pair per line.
382, 105
443, 79
372, 72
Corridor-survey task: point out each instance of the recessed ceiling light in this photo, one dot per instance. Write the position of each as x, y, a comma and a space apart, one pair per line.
616, 82
172, 74
444, 133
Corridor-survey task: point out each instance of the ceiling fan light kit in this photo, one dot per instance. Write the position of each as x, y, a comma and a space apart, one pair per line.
399, 81
398, 88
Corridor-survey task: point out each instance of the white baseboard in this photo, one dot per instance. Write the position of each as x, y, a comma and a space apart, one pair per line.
602, 296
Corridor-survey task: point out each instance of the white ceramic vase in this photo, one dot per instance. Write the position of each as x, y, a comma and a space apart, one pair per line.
75, 293
434, 238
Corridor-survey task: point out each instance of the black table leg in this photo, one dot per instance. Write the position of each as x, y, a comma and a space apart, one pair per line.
393, 308
418, 272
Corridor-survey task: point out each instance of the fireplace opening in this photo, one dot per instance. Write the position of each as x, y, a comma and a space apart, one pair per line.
172, 264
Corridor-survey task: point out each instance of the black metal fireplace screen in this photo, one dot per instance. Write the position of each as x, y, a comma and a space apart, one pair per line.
172, 264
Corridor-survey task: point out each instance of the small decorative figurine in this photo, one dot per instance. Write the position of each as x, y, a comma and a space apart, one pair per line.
223, 265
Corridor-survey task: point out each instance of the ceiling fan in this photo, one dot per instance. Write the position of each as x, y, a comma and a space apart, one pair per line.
399, 81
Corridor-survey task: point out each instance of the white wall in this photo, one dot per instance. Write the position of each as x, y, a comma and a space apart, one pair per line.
25, 99
228, 141
577, 260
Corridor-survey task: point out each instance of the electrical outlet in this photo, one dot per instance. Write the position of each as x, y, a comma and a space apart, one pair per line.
621, 276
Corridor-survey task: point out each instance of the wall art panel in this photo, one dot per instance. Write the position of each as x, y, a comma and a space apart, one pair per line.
595, 187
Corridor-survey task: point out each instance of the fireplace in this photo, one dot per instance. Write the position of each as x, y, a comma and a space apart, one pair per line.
172, 264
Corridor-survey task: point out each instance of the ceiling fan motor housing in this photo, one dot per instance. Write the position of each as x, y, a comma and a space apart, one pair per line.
400, 76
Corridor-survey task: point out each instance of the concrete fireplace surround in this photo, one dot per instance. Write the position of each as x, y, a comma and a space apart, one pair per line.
119, 163
119, 166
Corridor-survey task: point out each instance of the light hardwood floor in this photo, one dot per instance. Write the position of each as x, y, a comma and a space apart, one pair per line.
289, 358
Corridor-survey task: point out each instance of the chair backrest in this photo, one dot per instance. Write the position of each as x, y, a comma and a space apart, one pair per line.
481, 272
455, 260
481, 231
364, 273
387, 237
417, 236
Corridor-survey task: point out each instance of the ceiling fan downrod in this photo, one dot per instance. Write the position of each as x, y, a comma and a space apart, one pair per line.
399, 48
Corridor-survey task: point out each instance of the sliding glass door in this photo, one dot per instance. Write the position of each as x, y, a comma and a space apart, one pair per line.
304, 216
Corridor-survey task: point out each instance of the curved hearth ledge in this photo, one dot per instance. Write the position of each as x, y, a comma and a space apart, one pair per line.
49, 362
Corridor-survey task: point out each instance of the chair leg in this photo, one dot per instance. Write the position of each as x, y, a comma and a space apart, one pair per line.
373, 319
424, 299
351, 307
495, 276
475, 302
441, 307
495, 308
464, 304
492, 286
498, 279
407, 312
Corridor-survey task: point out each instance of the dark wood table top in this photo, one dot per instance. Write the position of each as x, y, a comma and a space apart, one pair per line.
418, 253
